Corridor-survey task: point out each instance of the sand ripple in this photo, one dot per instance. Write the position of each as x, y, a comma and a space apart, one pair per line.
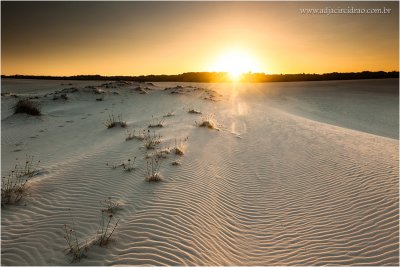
291, 191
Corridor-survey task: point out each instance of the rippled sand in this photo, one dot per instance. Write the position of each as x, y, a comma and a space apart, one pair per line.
286, 180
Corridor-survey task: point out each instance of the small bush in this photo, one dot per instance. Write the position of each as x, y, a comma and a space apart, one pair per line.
208, 122
169, 114
151, 140
131, 135
159, 154
28, 107
14, 187
106, 229
129, 166
112, 122
156, 123
179, 147
110, 205
153, 174
193, 111
75, 248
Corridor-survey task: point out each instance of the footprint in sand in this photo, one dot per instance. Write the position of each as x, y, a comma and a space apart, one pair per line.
17, 150
70, 121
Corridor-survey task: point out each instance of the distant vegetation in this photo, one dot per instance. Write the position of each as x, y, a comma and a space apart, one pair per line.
28, 107
224, 77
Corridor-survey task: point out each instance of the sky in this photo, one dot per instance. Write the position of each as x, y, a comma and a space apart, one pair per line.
141, 38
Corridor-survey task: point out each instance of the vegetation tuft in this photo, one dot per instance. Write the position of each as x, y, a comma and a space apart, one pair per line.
151, 140
28, 107
112, 122
153, 173
14, 187
156, 123
107, 228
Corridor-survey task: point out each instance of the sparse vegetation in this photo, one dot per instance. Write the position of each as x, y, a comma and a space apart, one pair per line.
179, 147
75, 248
208, 122
156, 123
169, 114
109, 205
159, 154
194, 111
28, 107
129, 165
153, 167
112, 122
151, 140
107, 228
131, 135
175, 163
14, 187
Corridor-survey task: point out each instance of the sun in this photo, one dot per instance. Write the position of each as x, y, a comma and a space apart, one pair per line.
235, 63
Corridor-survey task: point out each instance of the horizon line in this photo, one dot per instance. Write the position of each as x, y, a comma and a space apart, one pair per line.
214, 72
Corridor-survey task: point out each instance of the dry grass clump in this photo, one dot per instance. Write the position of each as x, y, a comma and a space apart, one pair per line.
106, 229
14, 187
151, 140
156, 123
159, 154
129, 165
175, 163
153, 173
208, 122
179, 147
28, 107
107, 226
110, 205
169, 114
194, 111
112, 122
131, 135
76, 248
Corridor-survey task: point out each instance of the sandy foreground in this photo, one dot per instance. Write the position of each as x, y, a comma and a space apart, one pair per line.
295, 174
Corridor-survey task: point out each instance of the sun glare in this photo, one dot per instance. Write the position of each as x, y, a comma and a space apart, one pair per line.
235, 63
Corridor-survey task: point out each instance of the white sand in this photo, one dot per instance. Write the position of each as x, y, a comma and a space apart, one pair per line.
287, 180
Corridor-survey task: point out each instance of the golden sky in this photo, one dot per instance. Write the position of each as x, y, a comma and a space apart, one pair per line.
140, 38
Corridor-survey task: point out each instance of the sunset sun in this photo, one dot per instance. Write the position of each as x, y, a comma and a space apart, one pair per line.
235, 63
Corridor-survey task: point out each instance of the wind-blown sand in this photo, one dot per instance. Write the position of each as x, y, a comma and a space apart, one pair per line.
297, 174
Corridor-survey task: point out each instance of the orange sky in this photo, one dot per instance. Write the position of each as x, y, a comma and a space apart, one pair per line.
135, 38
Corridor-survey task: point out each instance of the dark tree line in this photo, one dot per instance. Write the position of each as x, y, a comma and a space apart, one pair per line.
223, 77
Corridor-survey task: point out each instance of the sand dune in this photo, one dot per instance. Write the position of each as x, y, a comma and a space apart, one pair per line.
278, 184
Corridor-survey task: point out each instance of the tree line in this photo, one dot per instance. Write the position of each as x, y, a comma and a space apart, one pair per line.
208, 77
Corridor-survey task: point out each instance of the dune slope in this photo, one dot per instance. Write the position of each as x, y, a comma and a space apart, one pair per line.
268, 187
